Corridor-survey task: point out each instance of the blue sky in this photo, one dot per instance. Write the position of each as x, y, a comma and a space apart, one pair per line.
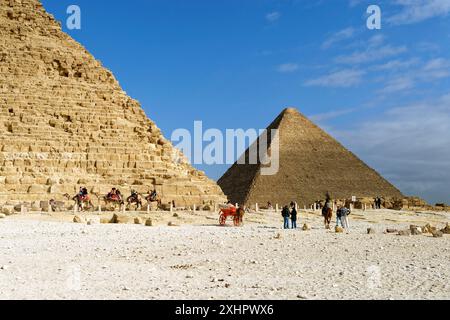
385, 94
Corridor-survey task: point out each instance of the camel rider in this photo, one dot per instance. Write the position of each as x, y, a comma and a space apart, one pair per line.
83, 192
112, 193
153, 195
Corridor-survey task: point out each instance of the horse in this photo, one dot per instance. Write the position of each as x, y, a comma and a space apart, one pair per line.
81, 201
240, 212
135, 198
327, 214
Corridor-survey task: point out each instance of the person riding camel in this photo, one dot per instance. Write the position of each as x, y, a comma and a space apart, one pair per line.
83, 193
153, 195
112, 194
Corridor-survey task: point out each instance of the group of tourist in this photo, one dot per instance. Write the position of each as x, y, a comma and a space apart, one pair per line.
377, 203
290, 213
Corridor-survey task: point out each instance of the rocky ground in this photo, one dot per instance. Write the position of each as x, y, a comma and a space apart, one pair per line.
50, 257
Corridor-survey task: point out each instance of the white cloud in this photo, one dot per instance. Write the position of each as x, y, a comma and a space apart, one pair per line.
371, 54
394, 65
339, 79
435, 69
409, 145
287, 67
414, 11
431, 70
338, 37
273, 16
398, 84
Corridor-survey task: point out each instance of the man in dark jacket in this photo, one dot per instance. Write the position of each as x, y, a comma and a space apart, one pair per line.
285, 213
293, 216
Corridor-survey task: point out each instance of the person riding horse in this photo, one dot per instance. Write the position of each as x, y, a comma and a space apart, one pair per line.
327, 211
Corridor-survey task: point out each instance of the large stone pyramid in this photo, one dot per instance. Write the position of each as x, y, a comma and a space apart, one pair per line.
311, 163
66, 122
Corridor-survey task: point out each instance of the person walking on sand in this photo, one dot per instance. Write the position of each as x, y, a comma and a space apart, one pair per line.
342, 217
285, 213
293, 216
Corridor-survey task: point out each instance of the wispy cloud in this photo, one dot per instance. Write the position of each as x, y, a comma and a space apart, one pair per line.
414, 11
371, 54
287, 67
436, 69
273, 16
339, 79
409, 145
398, 84
338, 37
395, 65
432, 70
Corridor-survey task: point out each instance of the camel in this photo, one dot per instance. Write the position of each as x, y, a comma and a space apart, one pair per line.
114, 199
83, 202
135, 198
153, 199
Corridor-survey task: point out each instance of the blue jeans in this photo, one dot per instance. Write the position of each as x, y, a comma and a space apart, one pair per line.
286, 222
294, 224
338, 221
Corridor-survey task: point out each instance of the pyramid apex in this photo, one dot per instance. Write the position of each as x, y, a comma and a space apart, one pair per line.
290, 110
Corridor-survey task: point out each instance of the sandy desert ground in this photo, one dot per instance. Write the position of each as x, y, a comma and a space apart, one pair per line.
49, 257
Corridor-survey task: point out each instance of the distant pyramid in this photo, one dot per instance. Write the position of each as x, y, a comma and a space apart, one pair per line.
312, 163
65, 122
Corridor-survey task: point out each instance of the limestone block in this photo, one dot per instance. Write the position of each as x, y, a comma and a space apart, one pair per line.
38, 189
8, 210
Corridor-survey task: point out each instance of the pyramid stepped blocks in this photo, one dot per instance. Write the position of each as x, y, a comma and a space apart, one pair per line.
311, 163
65, 122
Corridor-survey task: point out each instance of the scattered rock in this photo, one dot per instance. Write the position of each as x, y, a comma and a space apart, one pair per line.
415, 230
120, 219
404, 233
339, 229
78, 219
426, 228
93, 221
437, 234
148, 222
171, 224
8, 210
278, 236
391, 231
175, 215
306, 227
371, 231
446, 230
105, 220
2, 215
137, 220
